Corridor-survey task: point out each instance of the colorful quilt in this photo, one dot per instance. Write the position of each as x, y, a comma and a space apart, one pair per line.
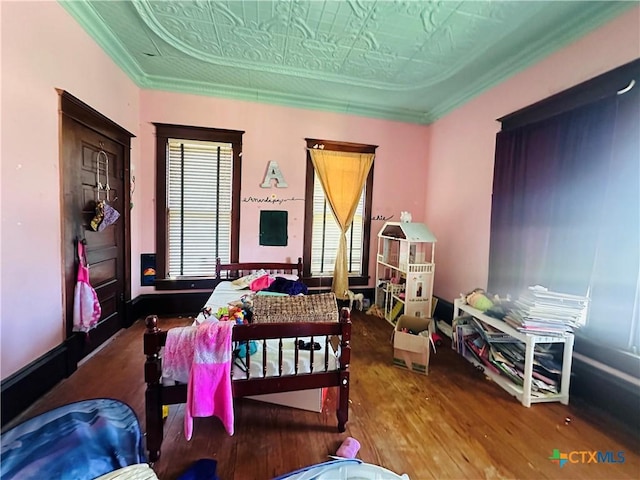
81, 440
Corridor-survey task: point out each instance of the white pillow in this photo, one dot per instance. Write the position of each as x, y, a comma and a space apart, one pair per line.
243, 282
288, 276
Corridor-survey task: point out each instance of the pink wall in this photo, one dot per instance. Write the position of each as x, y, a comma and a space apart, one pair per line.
43, 48
278, 133
462, 145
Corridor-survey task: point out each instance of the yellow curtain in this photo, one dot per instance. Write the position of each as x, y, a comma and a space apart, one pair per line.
342, 175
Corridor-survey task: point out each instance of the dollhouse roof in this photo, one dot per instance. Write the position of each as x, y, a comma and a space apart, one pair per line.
411, 231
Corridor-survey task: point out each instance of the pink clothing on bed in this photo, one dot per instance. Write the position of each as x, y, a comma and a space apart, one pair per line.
209, 388
261, 283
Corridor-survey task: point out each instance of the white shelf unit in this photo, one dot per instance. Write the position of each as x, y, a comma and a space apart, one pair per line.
404, 270
524, 394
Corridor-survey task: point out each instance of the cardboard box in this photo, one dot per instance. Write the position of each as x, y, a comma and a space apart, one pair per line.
412, 351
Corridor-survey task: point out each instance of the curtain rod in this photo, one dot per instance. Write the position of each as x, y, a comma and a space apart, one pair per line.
627, 88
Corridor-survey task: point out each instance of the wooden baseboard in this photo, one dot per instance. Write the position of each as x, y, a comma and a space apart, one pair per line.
606, 394
27, 385
19, 391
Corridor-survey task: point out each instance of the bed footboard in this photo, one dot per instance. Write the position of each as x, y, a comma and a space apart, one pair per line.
157, 394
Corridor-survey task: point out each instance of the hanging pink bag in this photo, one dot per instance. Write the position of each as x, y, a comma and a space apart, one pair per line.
86, 307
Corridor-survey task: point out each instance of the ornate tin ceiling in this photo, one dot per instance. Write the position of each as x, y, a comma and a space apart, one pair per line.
412, 61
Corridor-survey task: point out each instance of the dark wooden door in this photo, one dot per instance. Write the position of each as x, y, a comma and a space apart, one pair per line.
106, 249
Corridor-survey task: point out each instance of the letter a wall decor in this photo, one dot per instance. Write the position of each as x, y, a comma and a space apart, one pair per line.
273, 173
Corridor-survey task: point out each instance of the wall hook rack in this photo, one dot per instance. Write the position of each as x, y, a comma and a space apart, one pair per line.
102, 158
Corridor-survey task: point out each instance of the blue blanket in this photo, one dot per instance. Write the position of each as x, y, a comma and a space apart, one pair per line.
82, 440
290, 287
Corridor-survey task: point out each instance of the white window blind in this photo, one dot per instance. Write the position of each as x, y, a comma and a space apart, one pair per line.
325, 235
199, 193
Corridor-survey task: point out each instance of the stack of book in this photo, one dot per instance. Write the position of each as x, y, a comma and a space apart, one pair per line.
506, 356
543, 312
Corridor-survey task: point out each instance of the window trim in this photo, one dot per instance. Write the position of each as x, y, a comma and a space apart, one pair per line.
363, 278
163, 133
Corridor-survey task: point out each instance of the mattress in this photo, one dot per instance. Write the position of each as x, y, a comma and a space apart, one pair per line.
320, 307
270, 309
239, 369
288, 359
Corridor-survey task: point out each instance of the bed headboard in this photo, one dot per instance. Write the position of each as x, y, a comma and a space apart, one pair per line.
226, 271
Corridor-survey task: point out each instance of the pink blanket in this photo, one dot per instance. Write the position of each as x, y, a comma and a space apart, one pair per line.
178, 353
209, 388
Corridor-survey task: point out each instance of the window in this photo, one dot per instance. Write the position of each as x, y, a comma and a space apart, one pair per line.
197, 202
326, 233
321, 230
566, 206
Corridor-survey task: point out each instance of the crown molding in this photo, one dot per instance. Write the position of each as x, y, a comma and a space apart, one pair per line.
84, 13
593, 18
590, 18
282, 99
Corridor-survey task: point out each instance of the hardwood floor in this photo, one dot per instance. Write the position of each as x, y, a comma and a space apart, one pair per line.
452, 424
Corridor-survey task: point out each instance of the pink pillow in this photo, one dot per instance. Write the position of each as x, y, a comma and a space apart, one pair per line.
261, 283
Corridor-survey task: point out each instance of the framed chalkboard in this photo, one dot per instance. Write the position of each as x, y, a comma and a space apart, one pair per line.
273, 228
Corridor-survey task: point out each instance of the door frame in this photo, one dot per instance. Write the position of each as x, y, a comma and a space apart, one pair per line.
87, 116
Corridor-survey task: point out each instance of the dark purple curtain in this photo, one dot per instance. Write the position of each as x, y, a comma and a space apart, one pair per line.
582, 156
520, 206
616, 273
565, 197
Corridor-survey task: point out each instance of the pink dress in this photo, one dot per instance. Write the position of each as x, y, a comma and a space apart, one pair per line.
209, 388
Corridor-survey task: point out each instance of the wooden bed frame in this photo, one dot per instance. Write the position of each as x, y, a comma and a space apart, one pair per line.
158, 394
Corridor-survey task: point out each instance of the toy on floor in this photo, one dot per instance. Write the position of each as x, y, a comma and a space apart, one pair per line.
376, 311
357, 298
349, 448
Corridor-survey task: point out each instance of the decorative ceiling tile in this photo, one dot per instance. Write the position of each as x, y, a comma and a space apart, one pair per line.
403, 60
